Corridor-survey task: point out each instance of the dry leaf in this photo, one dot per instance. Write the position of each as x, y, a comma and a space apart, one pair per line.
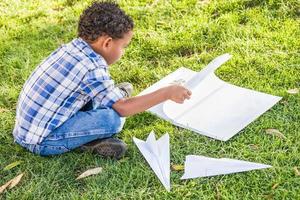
12, 165
11, 183
90, 172
293, 91
203, 2
3, 187
253, 146
15, 181
284, 102
275, 132
275, 186
296, 171
177, 167
3, 110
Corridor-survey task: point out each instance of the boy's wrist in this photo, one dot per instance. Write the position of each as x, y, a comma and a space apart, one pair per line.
166, 93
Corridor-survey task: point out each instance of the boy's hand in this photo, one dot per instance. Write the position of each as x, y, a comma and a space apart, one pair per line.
130, 106
178, 93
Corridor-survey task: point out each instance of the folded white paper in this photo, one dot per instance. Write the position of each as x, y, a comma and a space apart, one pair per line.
201, 166
157, 154
216, 109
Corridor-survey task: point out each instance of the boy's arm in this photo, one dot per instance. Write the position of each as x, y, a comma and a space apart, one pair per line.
133, 105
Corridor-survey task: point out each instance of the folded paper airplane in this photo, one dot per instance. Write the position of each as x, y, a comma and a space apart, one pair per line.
157, 154
201, 166
216, 109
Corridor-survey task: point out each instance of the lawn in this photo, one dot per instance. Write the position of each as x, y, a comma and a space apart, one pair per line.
262, 35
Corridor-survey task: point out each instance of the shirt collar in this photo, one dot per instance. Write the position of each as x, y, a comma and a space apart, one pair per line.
87, 49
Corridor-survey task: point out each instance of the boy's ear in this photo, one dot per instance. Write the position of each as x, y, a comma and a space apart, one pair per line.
107, 42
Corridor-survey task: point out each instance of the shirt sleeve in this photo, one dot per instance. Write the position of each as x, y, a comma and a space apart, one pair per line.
99, 86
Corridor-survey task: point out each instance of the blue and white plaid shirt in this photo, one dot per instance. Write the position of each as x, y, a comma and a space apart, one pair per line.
59, 87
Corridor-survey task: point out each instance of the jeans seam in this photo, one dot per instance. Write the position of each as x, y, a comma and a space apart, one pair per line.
82, 133
62, 148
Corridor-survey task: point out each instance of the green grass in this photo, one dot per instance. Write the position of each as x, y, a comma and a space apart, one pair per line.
263, 37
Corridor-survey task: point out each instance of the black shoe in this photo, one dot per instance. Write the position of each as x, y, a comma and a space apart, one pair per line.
110, 147
126, 89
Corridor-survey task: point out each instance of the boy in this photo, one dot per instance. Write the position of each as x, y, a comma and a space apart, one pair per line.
70, 100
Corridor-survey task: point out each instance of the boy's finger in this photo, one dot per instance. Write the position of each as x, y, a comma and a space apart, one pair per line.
186, 96
188, 93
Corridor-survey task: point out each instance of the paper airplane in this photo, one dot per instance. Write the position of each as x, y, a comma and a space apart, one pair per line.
201, 166
157, 154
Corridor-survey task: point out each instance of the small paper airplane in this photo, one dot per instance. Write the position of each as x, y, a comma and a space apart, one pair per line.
201, 166
157, 154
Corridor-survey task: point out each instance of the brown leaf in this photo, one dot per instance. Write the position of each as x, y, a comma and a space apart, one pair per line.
203, 2
275, 132
293, 91
284, 102
275, 186
177, 167
297, 173
11, 183
15, 181
3, 187
3, 110
90, 172
253, 146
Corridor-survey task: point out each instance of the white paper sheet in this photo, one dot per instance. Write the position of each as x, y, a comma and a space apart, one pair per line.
209, 69
201, 166
157, 154
216, 109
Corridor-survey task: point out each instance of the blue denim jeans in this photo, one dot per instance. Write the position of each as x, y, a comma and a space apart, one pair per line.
90, 123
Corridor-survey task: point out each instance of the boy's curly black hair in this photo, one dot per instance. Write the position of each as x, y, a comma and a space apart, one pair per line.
103, 17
